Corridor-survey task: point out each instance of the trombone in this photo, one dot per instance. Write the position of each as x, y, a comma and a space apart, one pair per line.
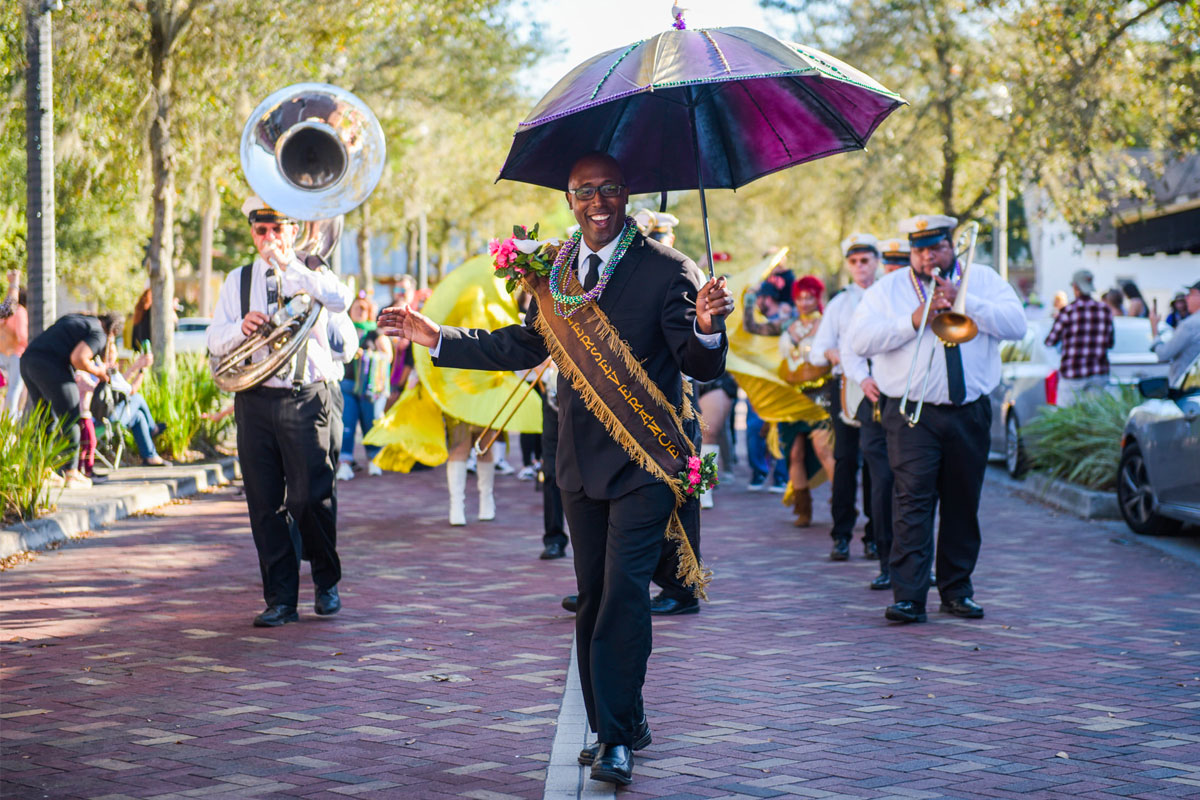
492, 432
951, 327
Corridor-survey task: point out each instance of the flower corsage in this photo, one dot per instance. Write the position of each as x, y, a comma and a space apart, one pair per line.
701, 475
522, 254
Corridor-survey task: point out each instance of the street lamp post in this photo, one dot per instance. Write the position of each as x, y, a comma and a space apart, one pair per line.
39, 164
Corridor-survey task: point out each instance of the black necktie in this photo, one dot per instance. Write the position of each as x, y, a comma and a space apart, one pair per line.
593, 273
954, 375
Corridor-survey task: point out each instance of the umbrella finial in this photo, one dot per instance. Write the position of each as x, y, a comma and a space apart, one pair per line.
677, 12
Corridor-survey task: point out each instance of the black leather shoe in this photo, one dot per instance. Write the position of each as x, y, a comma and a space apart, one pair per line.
663, 606
962, 607
552, 551
613, 764
275, 616
905, 611
327, 601
641, 740
869, 549
571, 603
882, 581
841, 550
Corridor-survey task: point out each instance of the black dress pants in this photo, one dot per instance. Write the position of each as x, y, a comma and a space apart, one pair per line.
284, 447
617, 546
872, 440
54, 384
941, 459
553, 529
846, 460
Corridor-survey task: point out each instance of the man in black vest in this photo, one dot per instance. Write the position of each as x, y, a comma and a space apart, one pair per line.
617, 512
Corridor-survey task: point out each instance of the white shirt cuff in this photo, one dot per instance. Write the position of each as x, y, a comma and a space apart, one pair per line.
711, 341
437, 348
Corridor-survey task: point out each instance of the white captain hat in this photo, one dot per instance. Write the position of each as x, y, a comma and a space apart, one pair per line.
926, 230
859, 242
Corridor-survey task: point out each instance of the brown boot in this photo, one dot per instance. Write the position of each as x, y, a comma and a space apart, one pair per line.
802, 506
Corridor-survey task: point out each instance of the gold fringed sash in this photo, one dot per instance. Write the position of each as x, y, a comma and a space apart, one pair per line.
633, 409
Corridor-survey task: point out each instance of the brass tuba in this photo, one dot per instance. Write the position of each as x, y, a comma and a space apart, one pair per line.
313, 152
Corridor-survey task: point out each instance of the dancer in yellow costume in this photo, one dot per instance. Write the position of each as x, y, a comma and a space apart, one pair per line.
776, 394
438, 419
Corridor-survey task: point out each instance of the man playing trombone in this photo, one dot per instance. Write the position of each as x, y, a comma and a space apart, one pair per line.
935, 406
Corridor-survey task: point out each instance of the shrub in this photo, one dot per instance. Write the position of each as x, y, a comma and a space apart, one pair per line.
183, 404
30, 448
1082, 442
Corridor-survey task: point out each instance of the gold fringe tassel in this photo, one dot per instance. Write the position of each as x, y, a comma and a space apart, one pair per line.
773, 443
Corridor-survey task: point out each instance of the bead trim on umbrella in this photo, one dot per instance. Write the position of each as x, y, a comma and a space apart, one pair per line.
566, 304
632, 47
713, 42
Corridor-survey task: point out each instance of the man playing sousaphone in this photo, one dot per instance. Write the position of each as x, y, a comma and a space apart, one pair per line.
623, 317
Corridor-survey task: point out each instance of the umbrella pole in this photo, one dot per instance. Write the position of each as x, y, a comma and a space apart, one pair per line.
718, 322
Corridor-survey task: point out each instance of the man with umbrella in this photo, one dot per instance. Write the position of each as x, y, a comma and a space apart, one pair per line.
616, 509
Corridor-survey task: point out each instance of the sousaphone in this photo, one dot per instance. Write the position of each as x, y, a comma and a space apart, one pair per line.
313, 152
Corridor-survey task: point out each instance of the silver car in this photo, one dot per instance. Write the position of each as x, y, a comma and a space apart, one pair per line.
1029, 380
1158, 482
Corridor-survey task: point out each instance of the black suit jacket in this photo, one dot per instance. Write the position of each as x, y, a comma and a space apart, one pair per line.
650, 300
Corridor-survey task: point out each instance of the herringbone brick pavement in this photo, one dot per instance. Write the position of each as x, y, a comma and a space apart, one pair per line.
130, 669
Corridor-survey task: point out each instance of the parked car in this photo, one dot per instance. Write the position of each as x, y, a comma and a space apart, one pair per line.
1029, 380
190, 333
1158, 481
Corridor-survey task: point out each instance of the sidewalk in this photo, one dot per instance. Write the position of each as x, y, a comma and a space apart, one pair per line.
129, 490
131, 670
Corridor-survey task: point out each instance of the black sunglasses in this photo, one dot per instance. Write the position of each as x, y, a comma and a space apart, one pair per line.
588, 192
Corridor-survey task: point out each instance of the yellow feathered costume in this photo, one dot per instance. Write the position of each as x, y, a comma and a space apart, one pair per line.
414, 428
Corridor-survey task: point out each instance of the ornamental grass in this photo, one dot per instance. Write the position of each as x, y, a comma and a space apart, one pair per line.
186, 405
1082, 443
31, 448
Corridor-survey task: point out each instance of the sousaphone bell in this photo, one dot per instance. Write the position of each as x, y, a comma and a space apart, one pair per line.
313, 152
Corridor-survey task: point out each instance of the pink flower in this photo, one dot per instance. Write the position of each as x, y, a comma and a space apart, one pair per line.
693, 462
493, 246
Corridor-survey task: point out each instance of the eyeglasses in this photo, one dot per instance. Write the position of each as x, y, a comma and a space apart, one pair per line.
854, 261
606, 190
263, 230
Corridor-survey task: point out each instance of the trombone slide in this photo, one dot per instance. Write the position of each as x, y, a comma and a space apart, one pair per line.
492, 431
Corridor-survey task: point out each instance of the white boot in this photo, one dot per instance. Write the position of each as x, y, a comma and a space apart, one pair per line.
456, 481
706, 499
486, 477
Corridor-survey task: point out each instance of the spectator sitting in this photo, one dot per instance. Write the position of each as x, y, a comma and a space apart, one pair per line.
133, 412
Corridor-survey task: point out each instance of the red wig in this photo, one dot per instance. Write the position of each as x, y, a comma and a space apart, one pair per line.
813, 285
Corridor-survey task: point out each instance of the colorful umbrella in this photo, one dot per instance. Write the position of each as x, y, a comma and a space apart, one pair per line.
697, 109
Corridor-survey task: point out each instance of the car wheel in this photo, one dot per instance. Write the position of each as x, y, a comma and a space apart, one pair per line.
1135, 496
1015, 460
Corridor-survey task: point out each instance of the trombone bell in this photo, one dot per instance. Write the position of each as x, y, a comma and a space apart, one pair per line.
954, 328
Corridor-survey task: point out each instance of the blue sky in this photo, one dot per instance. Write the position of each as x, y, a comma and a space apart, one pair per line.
587, 27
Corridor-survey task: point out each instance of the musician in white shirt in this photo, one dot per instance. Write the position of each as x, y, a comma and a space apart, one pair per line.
861, 254
941, 460
284, 425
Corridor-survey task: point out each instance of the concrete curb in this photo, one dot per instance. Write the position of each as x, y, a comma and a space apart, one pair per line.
1069, 497
565, 778
130, 490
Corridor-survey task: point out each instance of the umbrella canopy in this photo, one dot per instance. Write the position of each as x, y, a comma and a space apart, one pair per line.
696, 109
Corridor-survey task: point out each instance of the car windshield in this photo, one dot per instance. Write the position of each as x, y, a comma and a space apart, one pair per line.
193, 326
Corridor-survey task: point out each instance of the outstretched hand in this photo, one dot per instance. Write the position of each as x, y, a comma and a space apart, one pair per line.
712, 302
409, 324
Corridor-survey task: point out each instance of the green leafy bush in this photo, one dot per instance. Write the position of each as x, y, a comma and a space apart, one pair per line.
184, 406
31, 447
1082, 442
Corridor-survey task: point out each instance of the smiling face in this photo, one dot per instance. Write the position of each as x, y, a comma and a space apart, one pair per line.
600, 218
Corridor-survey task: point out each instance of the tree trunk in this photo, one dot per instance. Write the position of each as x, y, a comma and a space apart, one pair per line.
39, 166
443, 254
208, 222
162, 159
365, 274
410, 251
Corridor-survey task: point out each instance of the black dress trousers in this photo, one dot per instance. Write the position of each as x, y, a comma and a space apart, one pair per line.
942, 458
284, 448
617, 544
844, 488
872, 440
552, 505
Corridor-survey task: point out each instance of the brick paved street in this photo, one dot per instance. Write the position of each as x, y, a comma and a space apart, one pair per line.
131, 670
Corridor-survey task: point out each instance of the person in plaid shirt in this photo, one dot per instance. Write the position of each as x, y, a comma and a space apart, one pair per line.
1085, 328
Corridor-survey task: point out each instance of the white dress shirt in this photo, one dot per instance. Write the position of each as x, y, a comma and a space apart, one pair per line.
225, 332
834, 335
710, 340
881, 329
